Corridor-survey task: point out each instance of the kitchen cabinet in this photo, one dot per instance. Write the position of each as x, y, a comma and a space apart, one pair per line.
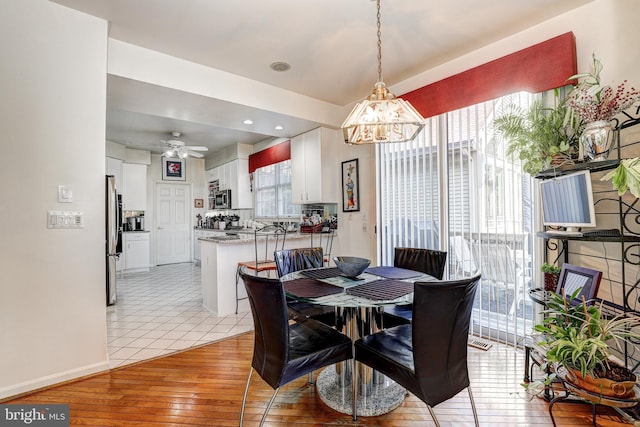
136, 251
134, 187
314, 170
234, 176
198, 233
113, 167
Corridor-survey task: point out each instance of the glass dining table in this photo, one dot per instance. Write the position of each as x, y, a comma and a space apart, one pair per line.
359, 306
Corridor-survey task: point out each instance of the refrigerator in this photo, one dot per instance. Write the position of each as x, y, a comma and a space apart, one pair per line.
113, 234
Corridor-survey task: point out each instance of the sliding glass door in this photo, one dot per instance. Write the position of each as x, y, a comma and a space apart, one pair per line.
454, 189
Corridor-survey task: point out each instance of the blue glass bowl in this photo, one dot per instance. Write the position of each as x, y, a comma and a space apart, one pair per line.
351, 266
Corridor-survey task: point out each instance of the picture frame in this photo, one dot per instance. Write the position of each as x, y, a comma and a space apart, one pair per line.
573, 277
198, 203
173, 169
350, 186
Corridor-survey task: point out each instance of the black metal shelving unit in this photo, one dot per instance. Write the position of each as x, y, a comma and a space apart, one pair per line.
628, 213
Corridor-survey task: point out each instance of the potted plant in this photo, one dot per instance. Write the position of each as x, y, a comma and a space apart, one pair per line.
595, 104
540, 136
580, 338
551, 276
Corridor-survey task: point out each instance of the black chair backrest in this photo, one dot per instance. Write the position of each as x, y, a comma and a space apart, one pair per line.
441, 317
290, 260
573, 277
270, 321
427, 261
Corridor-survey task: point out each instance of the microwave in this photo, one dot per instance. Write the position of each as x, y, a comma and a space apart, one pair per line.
223, 199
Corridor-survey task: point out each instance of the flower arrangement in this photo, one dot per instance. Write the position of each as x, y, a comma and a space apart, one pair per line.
592, 101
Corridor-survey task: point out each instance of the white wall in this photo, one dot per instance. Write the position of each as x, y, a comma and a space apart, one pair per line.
604, 27
52, 115
356, 235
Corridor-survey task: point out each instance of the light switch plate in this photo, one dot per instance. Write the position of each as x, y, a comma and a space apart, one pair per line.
65, 194
65, 219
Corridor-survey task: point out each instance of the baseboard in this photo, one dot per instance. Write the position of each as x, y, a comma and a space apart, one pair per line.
31, 386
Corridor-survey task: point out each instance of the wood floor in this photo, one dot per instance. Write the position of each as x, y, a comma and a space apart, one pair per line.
204, 387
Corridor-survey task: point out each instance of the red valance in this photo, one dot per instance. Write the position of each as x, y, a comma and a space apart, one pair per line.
268, 156
535, 69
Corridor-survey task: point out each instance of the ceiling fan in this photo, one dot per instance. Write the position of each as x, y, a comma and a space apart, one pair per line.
177, 148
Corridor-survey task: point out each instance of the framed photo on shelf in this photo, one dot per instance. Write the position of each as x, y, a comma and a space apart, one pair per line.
350, 186
173, 169
198, 203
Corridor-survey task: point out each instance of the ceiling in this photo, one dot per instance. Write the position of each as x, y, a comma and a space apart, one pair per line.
330, 45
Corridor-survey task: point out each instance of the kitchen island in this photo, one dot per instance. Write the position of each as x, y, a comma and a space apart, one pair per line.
219, 260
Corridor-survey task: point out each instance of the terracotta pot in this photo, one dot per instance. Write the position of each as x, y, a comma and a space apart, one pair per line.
551, 281
603, 386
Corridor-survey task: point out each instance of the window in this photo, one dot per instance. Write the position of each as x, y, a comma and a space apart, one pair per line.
453, 188
272, 186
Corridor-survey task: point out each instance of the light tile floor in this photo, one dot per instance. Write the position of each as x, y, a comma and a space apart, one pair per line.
160, 312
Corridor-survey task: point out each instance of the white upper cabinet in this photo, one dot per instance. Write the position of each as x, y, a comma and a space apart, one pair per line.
234, 176
134, 187
313, 169
114, 167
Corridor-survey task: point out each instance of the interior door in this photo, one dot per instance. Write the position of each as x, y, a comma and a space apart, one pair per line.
173, 224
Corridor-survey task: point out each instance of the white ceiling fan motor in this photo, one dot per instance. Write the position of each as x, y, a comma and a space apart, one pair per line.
177, 148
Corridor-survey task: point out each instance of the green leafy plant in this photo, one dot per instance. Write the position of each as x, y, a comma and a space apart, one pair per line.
538, 135
580, 337
625, 177
550, 268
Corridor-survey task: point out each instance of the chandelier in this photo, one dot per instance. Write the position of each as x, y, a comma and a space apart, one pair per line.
381, 117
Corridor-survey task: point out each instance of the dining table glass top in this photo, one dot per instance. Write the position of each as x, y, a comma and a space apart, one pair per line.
376, 287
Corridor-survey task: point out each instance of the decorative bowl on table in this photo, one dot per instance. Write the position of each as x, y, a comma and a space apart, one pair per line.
351, 266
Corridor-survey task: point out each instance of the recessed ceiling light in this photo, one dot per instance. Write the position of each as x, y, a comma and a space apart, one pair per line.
280, 66
247, 122
278, 127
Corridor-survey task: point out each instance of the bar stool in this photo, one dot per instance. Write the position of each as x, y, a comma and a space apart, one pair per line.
325, 241
267, 240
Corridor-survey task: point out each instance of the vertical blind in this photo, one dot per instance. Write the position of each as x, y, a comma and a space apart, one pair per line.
453, 188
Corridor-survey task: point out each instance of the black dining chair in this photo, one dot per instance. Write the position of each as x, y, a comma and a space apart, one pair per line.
284, 351
428, 356
290, 260
428, 261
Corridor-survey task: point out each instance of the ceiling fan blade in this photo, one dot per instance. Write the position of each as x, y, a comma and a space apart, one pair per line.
194, 154
197, 147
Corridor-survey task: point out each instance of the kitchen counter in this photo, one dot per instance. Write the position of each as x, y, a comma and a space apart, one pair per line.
237, 236
219, 261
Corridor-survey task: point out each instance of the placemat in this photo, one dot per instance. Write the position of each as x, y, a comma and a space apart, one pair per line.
380, 290
393, 272
310, 288
322, 273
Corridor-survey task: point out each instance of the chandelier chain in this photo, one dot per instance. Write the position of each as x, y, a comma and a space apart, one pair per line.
379, 43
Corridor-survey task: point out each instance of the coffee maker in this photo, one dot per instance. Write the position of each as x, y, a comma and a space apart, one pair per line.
135, 223
139, 223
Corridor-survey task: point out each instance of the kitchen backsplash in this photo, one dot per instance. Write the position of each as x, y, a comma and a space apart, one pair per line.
316, 213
